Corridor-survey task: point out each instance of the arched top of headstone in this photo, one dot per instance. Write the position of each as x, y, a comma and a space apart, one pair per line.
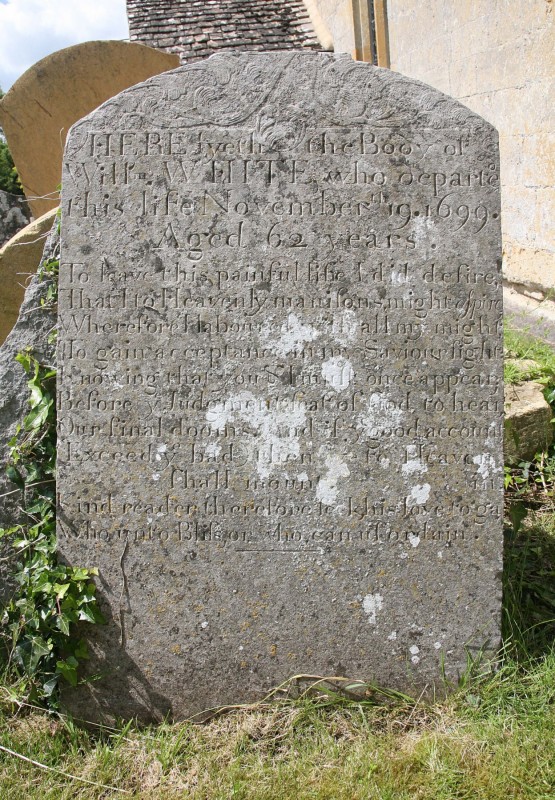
278, 95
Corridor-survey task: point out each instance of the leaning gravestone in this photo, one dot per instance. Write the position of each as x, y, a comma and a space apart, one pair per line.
14, 215
281, 393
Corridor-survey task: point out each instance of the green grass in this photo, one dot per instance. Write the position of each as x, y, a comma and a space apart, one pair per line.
523, 347
492, 739
493, 743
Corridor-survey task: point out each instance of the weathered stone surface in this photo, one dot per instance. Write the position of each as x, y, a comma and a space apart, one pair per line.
19, 261
281, 397
33, 326
43, 104
14, 215
528, 426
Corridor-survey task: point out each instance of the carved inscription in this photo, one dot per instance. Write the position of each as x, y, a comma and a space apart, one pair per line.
239, 329
280, 341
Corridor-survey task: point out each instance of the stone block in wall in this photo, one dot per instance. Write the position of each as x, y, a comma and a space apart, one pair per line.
528, 426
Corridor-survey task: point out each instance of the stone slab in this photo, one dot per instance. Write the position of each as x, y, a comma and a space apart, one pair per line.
281, 394
528, 425
14, 215
19, 261
42, 105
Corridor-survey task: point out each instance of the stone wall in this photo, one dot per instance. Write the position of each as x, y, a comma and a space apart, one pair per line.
333, 21
496, 56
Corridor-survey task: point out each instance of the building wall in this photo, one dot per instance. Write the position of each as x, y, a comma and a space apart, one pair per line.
497, 57
333, 22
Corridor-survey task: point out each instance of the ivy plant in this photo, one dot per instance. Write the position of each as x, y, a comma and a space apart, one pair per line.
38, 623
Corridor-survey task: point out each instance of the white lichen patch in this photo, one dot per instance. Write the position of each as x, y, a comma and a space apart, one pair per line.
345, 327
160, 451
156, 476
414, 650
270, 435
486, 465
327, 488
213, 449
371, 604
418, 495
338, 372
398, 277
217, 417
414, 539
292, 337
413, 465
381, 413
392, 636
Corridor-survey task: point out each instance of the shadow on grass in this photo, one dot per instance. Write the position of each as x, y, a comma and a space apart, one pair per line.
529, 582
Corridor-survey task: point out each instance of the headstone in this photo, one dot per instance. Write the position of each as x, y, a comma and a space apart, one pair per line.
19, 260
281, 394
42, 105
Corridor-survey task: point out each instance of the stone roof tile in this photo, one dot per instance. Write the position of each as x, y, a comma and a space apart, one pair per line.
197, 28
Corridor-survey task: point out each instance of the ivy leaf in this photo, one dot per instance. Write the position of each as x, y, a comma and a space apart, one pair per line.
62, 623
68, 669
49, 686
81, 650
87, 614
25, 360
36, 390
61, 589
30, 651
517, 512
80, 574
15, 476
